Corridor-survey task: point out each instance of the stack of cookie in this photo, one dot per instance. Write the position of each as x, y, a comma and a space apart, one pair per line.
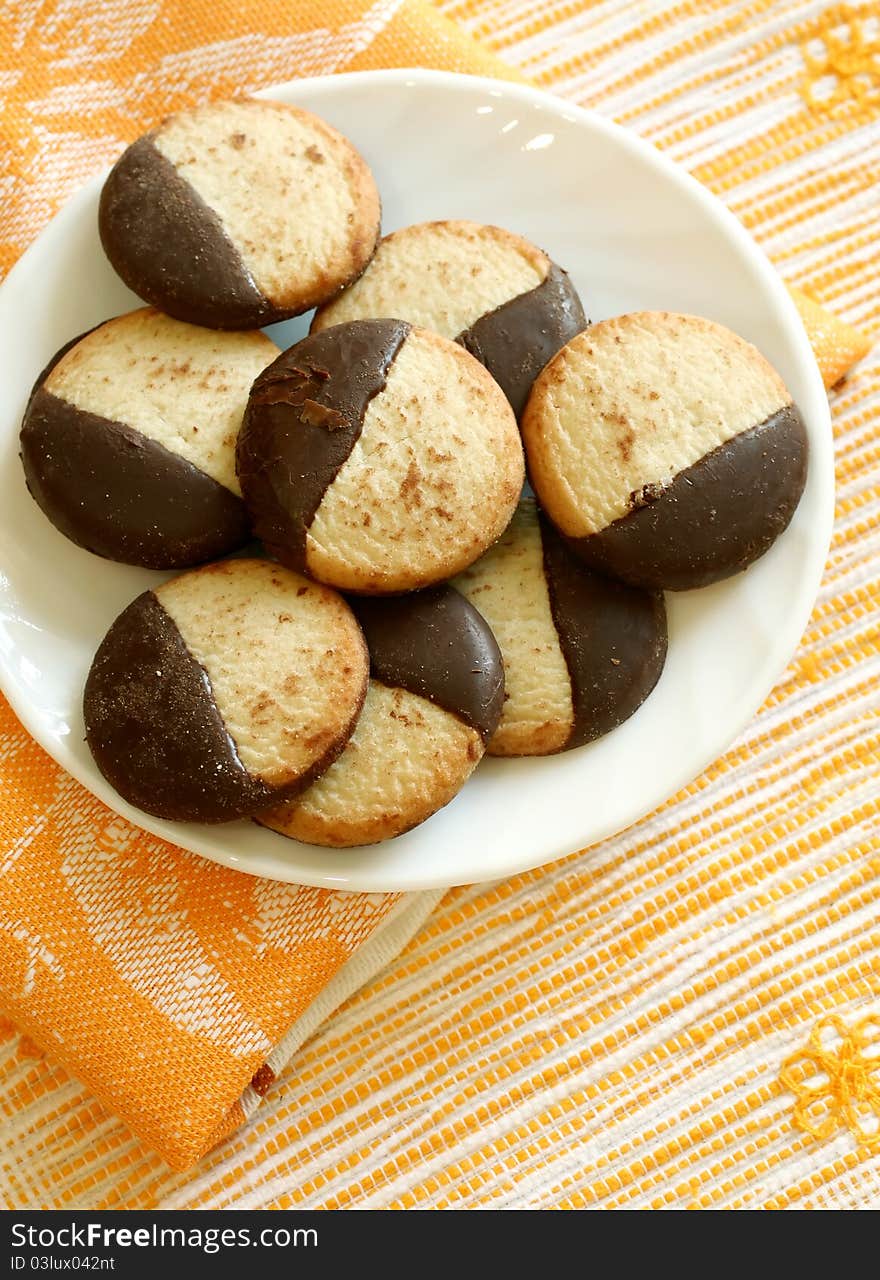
407, 609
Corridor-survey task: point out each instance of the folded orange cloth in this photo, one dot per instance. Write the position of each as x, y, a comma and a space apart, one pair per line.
173, 988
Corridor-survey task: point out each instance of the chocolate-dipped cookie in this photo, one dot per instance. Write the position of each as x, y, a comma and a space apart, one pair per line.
434, 701
128, 440
226, 690
666, 449
378, 458
581, 652
492, 291
237, 214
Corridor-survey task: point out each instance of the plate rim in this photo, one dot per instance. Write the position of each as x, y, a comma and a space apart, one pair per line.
776, 292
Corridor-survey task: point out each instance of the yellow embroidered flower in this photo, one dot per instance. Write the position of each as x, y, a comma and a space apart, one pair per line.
837, 1080
842, 57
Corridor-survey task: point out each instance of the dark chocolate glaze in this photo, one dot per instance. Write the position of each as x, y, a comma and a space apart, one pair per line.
613, 639
434, 643
714, 518
154, 729
517, 339
121, 495
304, 416
171, 248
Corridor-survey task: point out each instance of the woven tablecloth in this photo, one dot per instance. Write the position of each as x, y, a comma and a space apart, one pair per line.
687, 1015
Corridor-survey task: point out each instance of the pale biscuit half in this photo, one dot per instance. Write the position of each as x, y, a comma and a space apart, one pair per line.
440, 275
405, 760
666, 447
508, 585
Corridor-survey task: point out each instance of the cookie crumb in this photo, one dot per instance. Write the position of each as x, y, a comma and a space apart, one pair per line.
645, 496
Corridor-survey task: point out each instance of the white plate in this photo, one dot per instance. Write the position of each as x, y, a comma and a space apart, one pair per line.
635, 232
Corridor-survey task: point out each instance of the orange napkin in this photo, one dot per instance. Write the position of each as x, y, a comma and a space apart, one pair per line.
175, 989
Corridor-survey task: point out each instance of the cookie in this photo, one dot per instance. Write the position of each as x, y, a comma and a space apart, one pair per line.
128, 440
666, 449
378, 458
224, 691
492, 291
434, 701
581, 652
237, 214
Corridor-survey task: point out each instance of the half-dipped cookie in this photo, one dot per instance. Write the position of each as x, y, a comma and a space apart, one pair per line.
494, 292
128, 440
224, 691
581, 652
666, 449
378, 457
434, 701
236, 214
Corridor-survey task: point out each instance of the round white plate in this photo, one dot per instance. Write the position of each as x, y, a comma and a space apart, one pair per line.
636, 233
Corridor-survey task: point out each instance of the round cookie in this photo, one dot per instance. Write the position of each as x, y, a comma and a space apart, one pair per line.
581, 652
224, 691
666, 449
128, 440
492, 291
434, 701
378, 458
236, 214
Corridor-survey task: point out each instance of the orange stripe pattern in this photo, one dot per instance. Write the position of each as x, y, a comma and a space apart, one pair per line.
642, 1025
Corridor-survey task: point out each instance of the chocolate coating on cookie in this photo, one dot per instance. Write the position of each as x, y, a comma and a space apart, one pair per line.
170, 248
517, 339
153, 726
304, 416
728, 509
119, 494
435, 644
666, 449
613, 639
